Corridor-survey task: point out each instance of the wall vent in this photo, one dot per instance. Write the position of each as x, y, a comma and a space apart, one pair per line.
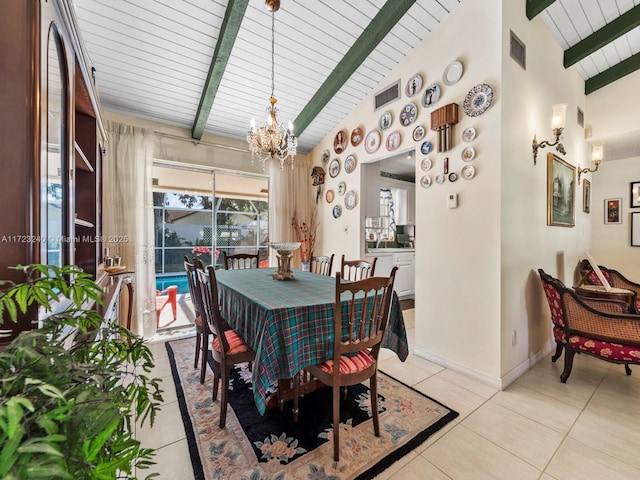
518, 51
580, 117
388, 95
155, 182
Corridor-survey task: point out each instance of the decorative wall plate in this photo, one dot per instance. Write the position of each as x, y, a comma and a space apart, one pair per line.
385, 121
425, 165
431, 95
468, 154
408, 114
337, 211
342, 188
439, 178
325, 157
329, 195
478, 100
340, 141
372, 142
418, 133
413, 85
351, 200
393, 141
452, 73
425, 181
468, 172
453, 176
334, 168
350, 163
357, 135
469, 134
426, 147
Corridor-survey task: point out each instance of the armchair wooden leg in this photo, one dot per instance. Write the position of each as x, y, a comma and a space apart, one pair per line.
216, 380
198, 347
556, 356
627, 369
296, 396
224, 398
568, 364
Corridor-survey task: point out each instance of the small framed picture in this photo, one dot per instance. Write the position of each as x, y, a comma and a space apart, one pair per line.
586, 196
612, 211
635, 229
634, 195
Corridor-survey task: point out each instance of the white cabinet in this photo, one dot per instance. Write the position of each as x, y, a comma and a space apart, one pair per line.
404, 284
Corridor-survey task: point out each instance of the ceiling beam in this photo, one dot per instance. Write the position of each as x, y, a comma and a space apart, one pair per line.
607, 34
534, 7
228, 32
390, 13
612, 74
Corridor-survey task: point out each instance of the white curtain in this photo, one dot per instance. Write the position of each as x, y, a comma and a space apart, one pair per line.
128, 214
289, 193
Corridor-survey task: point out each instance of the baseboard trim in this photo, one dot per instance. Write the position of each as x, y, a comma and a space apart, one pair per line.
496, 382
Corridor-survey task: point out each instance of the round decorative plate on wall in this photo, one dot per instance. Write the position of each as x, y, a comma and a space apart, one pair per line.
478, 100
408, 114
393, 141
426, 147
468, 154
337, 211
372, 142
469, 134
452, 73
431, 95
325, 157
329, 196
334, 168
357, 135
342, 188
425, 181
386, 119
350, 163
340, 141
413, 85
418, 133
468, 172
351, 200
425, 165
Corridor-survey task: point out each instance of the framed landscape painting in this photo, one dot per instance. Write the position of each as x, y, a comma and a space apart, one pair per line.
561, 192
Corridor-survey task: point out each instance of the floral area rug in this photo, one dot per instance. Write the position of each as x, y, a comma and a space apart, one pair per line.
274, 447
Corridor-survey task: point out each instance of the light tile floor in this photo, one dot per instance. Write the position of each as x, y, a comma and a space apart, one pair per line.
538, 428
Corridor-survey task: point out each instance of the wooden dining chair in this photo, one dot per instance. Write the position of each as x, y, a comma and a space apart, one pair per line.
357, 269
241, 260
322, 264
202, 329
358, 329
228, 348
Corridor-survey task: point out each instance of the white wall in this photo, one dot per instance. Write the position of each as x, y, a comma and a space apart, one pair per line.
527, 242
611, 243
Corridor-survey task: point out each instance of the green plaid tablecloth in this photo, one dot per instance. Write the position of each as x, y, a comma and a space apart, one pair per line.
288, 323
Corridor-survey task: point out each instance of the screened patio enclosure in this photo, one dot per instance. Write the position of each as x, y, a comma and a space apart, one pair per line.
204, 213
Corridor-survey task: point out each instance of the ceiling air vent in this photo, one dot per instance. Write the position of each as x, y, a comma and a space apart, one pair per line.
518, 51
155, 182
387, 96
580, 117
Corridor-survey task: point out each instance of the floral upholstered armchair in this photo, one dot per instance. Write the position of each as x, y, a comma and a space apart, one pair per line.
596, 327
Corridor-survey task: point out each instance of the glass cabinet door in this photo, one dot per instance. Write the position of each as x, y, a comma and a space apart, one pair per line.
54, 166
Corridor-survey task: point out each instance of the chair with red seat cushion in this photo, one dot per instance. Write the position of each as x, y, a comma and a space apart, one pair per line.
202, 330
228, 348
166, 297
358, 330
597, 327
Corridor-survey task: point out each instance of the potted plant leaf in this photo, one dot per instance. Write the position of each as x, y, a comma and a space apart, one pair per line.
72, 390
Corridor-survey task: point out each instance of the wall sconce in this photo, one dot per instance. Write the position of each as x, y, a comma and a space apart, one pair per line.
597, 153
557, 126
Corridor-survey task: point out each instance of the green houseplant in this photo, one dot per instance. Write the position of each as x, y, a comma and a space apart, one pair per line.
71, 391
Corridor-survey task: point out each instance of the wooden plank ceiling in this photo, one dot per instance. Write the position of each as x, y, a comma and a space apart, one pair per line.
167, 60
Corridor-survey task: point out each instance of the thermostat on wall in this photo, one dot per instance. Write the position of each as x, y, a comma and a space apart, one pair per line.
452, 200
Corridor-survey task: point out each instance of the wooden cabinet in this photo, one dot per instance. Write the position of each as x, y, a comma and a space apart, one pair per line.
51, 139
404, 284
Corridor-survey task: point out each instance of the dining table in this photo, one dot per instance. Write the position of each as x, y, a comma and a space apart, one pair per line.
289, 323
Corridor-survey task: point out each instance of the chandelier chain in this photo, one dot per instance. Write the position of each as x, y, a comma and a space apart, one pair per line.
273, 50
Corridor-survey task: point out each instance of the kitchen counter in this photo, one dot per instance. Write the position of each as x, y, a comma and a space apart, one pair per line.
390, 250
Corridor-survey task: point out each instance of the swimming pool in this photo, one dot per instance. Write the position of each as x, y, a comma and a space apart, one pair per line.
166, 280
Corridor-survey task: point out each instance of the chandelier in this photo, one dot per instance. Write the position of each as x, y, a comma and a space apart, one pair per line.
272, 141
